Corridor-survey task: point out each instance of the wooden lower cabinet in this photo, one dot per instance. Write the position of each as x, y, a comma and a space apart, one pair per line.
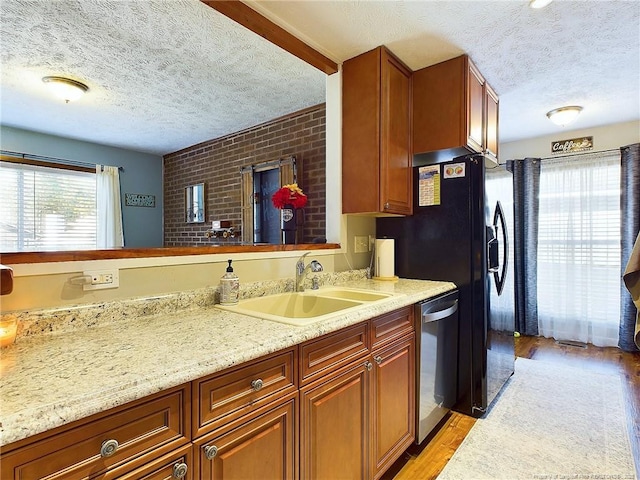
106, 445
393, 403
334, 426
358, 419
262, 445
342, 409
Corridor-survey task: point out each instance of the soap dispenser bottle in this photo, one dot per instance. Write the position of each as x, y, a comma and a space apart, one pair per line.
229, 287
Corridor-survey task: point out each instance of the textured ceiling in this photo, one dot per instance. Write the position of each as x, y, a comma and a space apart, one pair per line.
166, 74
570, 53
162, 74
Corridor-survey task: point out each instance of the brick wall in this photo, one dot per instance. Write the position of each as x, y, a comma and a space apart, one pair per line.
217, 163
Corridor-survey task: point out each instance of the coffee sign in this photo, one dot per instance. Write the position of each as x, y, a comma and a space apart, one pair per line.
572, 145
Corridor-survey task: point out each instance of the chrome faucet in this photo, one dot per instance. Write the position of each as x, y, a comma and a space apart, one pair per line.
301, 270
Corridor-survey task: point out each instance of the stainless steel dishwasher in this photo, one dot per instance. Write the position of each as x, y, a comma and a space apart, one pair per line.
437, 368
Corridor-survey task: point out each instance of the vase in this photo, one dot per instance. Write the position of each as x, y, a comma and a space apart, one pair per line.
288, 224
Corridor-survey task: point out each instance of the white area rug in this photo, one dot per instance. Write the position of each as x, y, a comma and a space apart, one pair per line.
550, 422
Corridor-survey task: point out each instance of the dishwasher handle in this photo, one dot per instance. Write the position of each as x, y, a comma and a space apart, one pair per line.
440, 314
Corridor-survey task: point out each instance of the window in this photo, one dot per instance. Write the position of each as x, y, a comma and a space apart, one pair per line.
579, 249
46, 208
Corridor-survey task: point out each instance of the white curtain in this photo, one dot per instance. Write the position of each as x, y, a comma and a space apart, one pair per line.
109, 209
579, 249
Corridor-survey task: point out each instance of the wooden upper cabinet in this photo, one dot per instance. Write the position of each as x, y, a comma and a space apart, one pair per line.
376, 135
455, 111
475, 108
491, 121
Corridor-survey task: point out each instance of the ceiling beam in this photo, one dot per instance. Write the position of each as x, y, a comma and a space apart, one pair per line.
249, 18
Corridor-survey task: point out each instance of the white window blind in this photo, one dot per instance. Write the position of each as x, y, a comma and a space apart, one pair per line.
45, 208
579, 249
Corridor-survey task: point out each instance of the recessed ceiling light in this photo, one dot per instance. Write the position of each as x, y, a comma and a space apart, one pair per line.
564, 115
539, 3
65, 88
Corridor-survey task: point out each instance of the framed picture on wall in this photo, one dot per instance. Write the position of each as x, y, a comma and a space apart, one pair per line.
139, 200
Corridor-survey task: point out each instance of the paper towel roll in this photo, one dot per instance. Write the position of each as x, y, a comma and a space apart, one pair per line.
385, 266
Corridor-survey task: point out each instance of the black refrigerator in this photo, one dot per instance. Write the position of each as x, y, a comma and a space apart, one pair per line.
459, 232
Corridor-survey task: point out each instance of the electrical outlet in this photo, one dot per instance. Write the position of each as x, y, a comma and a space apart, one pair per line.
361, 244
100, 279
372, 242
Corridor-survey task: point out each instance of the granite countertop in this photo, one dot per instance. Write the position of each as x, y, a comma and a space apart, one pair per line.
51, 380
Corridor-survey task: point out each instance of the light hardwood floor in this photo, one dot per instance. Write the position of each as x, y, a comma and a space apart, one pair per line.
432, 459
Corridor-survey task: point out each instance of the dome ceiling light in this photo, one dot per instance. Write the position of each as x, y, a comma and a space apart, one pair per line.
564, 115
65, 88
537, 4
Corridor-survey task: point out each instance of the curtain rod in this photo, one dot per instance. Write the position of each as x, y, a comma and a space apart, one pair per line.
611, 150
42, 158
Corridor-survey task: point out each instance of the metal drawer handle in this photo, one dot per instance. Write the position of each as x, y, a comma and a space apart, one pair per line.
210, 451
377, 359
257, 384
430, 317
179, 470
368, 365
108, 448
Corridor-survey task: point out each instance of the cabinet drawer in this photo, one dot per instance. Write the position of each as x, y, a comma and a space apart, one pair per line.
166, 467
143, 430
391, 326
333, 350
223, 397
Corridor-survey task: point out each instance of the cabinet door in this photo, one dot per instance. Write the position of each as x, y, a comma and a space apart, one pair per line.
491, 122
396, 188
376, 134
334, 429
264, 445
361, 133
475, 109
393, 405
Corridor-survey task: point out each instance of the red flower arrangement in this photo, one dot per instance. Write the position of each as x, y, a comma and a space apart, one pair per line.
289, 195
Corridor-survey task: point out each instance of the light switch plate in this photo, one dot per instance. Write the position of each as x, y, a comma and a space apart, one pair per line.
361, 244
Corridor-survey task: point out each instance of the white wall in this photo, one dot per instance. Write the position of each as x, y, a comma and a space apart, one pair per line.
604, 138
333, 163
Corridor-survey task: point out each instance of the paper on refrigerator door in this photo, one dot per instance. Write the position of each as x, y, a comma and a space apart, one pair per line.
429, 186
